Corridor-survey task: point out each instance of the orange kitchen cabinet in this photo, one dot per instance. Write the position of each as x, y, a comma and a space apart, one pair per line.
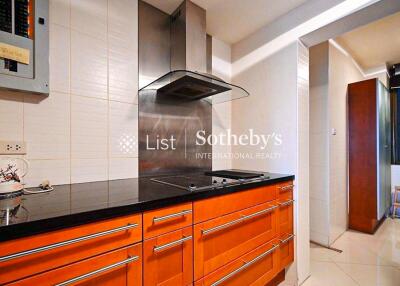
31, 255
168, 259
221, 240
121, 267
286, 251
256, 268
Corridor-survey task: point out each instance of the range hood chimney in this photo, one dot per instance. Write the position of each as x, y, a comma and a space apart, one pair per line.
188, 79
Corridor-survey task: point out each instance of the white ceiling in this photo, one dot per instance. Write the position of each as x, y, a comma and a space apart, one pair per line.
375, 44
233, 20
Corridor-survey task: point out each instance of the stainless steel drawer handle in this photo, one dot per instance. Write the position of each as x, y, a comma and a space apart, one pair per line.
236, 221
172, 244
289, 238
66, 242
98, 271
244, 266
289, 202
167, 217
288, 187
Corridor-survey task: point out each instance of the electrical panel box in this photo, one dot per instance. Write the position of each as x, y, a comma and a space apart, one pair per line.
24, 45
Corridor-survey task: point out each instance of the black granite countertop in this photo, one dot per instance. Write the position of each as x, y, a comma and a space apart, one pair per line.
76, 204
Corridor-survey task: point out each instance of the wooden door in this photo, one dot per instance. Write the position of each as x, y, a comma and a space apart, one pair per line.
122, 267
168, 259
221, 240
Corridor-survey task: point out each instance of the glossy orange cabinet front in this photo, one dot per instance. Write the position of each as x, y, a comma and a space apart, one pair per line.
121, 267
221, 240
256, 268
168, 259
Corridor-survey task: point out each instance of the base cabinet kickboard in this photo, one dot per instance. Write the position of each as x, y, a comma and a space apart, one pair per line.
243, 238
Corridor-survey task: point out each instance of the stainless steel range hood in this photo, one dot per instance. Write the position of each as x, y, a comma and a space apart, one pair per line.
188, 79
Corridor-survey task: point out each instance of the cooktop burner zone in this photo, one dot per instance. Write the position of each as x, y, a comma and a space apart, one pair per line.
210, 180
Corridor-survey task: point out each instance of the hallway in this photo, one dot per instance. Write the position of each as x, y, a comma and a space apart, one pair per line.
366, 260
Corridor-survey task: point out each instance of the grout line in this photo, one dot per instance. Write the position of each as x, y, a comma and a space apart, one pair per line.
69, 87
354, 280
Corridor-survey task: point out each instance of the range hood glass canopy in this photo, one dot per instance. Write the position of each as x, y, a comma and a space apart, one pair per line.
189, 85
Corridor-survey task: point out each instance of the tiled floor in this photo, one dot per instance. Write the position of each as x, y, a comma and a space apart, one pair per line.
367, 260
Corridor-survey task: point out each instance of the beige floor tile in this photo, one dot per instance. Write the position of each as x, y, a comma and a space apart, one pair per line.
328, 274
372, 275
318, 253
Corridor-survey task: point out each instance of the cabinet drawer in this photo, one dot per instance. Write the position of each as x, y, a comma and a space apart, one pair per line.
27, 256
120, 267
285, 216
256, 268
222, 205
168, 259
221, 240
286, 251
168, 219
285, 190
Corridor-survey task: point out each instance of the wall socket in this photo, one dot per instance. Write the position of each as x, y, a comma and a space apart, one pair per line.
12, 148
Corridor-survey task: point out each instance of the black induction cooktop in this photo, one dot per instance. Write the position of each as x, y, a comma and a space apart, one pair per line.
236, 175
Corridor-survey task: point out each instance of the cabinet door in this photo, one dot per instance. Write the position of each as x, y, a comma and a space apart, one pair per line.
120, 267
168, 259
286, 251
221, 240
285, 216
256, 268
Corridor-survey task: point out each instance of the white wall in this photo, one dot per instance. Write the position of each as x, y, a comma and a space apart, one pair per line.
221, 112
331, 70
278, 104
86, 129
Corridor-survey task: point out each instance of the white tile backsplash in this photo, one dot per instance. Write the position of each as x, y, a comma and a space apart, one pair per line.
92, 105
88, 66
89, 135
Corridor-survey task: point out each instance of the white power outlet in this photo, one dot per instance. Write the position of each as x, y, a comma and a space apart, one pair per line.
12, 148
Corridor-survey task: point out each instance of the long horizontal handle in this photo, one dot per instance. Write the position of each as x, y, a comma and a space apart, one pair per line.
290, 237
236, 221
167, 217
289, 202
98, 271
66, 242
288, 187
172, 244
244, 266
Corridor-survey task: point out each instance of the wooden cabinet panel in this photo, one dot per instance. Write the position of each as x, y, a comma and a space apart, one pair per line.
221, 240
256, 268
222, 205
165, 220
120, 267
168, 259
285, 214
66, 246
285, 190
286, 251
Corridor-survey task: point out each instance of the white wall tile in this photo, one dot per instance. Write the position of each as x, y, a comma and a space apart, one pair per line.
47, 126
89, 133
123, 124
11, 115
60, 44
88, 66
123, 168
123, 50
60, 12
90, 17
56, 171
89, 170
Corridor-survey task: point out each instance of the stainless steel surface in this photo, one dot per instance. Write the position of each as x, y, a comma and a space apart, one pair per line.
161, 117
35, 76
245, 265
290, 237
289, 202
383, 150
98, 271
65, 243
171, 244
167, 217
288, 187
236, 221
188, 38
